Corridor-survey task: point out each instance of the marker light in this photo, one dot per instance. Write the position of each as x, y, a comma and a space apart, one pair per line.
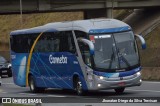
101, 77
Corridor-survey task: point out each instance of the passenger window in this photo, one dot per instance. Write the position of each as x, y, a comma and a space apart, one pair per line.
48, 42
56, 42
22, 43
67, 42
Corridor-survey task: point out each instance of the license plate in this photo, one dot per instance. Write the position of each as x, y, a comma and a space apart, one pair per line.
121, 83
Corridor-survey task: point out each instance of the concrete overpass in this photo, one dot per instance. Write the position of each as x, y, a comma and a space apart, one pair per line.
91, 8
143, 21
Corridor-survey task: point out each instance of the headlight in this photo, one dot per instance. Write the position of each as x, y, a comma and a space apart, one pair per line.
138, 73
101, 77
9, 65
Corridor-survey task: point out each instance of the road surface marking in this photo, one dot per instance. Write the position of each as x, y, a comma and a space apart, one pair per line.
23, 93
4, 92
151, 82
7, 83
56, 96
90, 98
143, 90
32, 94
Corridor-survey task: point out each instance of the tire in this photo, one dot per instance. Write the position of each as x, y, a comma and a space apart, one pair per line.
119, 90
33, 87
10, 74
79, 88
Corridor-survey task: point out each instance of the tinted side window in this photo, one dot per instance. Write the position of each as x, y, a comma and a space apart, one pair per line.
84, 49
81, 34
48, 42
22, 43
67, 42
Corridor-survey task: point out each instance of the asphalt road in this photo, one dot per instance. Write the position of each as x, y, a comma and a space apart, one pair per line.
147, 89
62, 97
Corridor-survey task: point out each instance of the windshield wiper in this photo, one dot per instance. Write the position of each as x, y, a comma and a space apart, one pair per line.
112, 57
120, 55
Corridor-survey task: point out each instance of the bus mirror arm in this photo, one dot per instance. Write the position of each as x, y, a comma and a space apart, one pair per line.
89, 43
143, 43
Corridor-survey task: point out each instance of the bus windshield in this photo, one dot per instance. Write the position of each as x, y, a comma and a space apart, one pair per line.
115, 51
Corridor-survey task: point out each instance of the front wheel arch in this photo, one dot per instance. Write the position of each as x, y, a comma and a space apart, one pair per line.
78, 86
32, 85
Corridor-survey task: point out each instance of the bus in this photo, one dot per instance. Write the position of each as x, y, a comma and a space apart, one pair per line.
82, 55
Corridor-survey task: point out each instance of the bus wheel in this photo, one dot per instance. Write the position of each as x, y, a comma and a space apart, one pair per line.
33, 87
10, 74
119, 90
79, 88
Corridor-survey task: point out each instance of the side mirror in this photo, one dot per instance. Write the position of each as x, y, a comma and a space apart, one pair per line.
142, 41
89, 43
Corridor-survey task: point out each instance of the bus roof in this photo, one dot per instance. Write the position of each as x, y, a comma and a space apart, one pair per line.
88, 26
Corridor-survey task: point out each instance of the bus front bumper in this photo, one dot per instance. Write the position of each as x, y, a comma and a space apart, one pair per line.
103, 83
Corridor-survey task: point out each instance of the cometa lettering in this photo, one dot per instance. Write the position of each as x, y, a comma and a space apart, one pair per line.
58, 60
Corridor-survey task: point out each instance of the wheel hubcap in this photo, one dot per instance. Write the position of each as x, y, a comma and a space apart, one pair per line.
79, 87
31, 85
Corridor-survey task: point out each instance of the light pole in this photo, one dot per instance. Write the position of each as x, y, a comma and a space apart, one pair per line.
21, 9
112, 8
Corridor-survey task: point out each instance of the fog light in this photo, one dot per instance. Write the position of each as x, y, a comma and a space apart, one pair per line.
138, 73
99, 85
140, 80
101, 77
